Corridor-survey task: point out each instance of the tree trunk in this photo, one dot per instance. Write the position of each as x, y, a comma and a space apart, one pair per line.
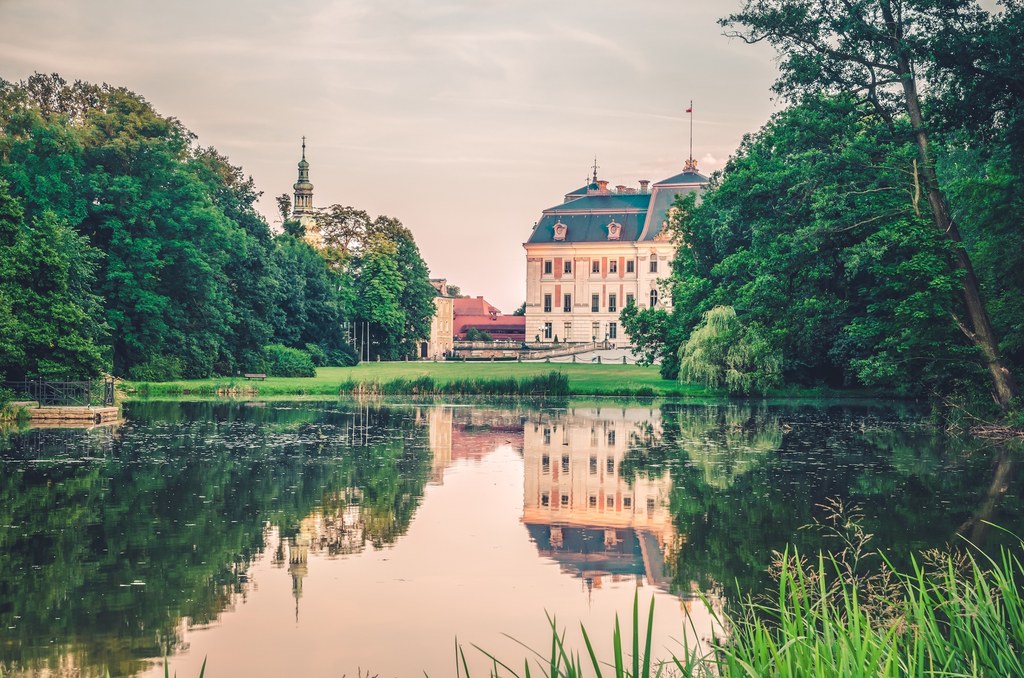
980, 331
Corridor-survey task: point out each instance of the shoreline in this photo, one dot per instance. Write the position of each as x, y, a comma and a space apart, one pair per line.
446, 380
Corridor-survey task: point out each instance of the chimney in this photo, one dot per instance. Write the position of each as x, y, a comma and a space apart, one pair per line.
643, 185
620, 189
602, 186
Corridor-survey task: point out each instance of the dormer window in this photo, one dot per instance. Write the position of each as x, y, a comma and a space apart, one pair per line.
614, 230
560, 231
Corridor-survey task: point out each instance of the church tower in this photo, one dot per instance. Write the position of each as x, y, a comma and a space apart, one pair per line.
302, 207
303, 204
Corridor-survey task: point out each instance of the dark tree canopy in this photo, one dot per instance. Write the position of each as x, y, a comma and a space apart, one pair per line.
885, 53
129, 248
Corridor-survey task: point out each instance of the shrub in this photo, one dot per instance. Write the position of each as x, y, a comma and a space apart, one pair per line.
473, 334
157, 368
316, 354
288, 362
342, 355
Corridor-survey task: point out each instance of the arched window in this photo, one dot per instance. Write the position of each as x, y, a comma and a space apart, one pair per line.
654, 298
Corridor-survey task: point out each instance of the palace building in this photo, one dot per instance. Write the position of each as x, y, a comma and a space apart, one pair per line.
597, 252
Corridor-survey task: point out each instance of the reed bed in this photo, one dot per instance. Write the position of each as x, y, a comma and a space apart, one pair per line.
953, 614
551, 384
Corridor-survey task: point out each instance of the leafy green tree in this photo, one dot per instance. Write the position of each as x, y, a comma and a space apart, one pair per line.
309, 296
876, 50
722, 353
284, 207
812, 231
250, 269
379, 302
52, 322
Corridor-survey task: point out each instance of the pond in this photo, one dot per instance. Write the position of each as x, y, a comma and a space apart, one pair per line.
313, 538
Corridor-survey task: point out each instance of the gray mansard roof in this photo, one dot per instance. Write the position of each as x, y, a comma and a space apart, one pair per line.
640, 215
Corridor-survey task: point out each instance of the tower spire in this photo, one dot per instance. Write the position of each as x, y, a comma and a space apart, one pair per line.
595, 169
303, 203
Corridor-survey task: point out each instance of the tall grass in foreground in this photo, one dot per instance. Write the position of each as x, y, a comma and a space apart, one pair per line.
955, 614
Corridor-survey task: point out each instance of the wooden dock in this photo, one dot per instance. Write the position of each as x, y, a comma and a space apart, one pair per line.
67, 414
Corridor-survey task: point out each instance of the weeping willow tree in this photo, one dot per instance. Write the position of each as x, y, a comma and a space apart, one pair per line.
723, 353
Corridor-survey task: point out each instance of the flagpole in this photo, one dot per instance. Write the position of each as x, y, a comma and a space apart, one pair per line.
691, 132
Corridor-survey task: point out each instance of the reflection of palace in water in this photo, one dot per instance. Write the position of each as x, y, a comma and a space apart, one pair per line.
579, 507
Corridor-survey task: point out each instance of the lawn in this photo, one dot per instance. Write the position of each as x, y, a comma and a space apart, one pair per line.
584, 379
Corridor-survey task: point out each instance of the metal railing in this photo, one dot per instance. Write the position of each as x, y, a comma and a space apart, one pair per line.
98, 392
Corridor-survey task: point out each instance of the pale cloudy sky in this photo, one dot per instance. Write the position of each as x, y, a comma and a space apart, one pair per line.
462, 118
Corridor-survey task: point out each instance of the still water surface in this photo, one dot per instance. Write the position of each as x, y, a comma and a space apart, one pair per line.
329, 538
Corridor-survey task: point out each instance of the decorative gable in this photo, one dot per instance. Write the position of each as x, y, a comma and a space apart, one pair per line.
560, 231
614, 230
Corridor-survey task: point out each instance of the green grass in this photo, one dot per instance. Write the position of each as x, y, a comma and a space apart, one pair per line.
583, 379
458, 378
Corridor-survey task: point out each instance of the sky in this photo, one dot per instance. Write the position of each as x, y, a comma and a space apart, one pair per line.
462, 118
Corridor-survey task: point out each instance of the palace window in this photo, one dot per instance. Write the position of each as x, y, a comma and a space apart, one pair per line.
565, 500
545, 499
654, 264
595, 330
565, 463
613, 330
611, 437
547, 267
567, 303
610, 502
567, 332
592, 501
613, 303
595, 303
547, 330
613, 266
547, 303
593, 464
630, 300
547, 436
654, 298
610, 466
630, 266
567, 267
627, 502
595, 266
545, 464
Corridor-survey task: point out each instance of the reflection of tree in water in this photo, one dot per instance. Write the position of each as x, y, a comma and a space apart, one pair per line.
725, 442
111, 539
747, 478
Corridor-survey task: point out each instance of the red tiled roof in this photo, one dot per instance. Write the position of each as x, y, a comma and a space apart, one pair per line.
474, 306
476, 312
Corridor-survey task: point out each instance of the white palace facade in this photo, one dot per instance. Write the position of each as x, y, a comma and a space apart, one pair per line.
597, 252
